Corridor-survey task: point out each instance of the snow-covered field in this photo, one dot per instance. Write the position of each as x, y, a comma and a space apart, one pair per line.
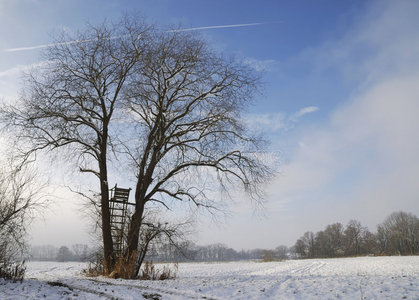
345, 278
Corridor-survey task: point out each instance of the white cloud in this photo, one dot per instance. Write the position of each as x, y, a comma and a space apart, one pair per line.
364, 162
10, 79
261, 65
362, 165
306, 110
383, 42
271, 122
13, 72
266, 122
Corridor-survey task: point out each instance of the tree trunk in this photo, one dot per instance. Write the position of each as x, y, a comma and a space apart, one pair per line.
109, 260
134, 233
106, 230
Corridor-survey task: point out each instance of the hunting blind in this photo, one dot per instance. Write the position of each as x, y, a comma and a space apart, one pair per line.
119, 211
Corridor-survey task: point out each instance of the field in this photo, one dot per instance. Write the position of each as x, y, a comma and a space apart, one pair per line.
345, 278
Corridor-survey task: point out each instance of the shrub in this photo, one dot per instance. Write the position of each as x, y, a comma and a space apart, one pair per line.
150, 272
11, 270
95, 265
124, 267
268, 255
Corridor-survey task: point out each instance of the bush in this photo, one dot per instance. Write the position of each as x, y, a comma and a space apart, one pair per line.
268, 255
95, 265
14, 271
124, 267
150, 272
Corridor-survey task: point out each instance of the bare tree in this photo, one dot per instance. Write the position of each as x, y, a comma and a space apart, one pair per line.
282, 252
64, 254
81, 251
19, 197
300, 248
383, 240
354, 234
160, 99
156, 234
369, 243
305, 245
335, 239
186, 102
399, 234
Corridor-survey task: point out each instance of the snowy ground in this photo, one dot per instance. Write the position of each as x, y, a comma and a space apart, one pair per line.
346, 278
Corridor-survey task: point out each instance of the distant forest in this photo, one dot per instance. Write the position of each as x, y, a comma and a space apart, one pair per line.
397, 235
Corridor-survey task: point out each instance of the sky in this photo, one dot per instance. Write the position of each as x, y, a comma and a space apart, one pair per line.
339, 105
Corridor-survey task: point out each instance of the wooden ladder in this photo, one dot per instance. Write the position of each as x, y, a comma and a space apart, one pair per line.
118, 206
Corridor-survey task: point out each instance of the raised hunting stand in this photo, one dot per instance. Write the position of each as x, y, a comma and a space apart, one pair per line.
118, 206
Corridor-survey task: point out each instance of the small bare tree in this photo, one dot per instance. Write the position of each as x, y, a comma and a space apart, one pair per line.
19, 197
155, 234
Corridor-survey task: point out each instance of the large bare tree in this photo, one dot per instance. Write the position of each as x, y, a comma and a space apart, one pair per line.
186, 102
161, 100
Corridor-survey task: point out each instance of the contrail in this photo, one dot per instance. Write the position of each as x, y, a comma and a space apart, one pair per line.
217, 27
55, 44
37, 47
175, 30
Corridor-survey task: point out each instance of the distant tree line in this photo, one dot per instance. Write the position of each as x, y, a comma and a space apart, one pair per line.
397, 235
188, 251
77, 252
166, 252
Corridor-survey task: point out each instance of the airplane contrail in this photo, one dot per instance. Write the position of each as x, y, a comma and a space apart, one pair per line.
175, 30
37, 47
54, 44
216, 27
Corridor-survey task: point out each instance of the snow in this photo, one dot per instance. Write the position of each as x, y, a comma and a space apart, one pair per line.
344, 278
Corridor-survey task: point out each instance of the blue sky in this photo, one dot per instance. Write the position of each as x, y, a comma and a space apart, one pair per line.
339, 104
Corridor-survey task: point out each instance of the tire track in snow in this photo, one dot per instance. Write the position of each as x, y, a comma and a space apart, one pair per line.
308, 269
52, 280
317, 266
144, 288
83, 289
302, 270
